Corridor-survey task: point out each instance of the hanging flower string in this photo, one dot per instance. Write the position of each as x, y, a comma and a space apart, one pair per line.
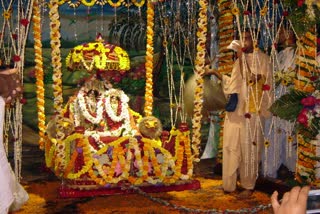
138, 3
226, 34
56, 55
39, 72
149, 60
199, 71
306, 62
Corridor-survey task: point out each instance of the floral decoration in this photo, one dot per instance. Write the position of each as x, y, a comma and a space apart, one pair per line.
309, 116
303, 14
98, 55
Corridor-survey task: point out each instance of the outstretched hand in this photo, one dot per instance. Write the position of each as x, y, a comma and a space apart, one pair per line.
293, 202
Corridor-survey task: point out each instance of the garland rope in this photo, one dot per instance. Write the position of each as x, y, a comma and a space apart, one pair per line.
56, 55
225, 63
149, 60
39, 72
199, 72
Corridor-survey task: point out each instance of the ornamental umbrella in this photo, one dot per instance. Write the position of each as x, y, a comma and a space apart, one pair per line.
98, 55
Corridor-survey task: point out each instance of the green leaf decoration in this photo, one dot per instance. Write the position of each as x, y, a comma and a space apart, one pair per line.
288, 106
302, 17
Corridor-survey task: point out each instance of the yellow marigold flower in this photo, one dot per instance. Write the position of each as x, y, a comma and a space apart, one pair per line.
235, 11
172, 105
290, 139
266, 143
165, 43
7, 14
256, 47
284, 82
250, 82
263, 11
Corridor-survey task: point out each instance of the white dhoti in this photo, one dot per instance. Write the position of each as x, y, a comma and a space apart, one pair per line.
243, 128
240, 154
12, 194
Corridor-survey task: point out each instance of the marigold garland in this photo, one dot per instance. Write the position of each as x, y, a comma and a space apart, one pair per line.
115, 4
138, 4
101, 58
121, 159
226, 34
227, 12
56, 55
149, 60
199, 71
306, 63
305, 165
39, 72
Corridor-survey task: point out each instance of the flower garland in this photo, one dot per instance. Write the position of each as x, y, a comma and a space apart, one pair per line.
56, 55
39, 72
123, 100
122, 156
226, 34
305, 163
139, 4
98, 55
91, 3
82, 102
148, 106
199, 71
115, 4
306, 62
83, 143
303, 14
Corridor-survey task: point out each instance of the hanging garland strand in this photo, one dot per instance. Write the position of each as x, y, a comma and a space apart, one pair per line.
226, 35
56, 55
39, 71
149, 60
199, 72
306, 62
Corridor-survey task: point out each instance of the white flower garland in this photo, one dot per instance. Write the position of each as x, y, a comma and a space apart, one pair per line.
112, 113
82, 102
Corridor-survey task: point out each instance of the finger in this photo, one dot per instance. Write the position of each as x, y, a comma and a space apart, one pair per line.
274, 201
294, 194
303, 196
285, 197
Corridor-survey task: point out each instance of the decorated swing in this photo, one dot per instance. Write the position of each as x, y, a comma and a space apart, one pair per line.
96, 143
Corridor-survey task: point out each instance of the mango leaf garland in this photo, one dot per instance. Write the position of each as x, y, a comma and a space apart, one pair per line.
288, 106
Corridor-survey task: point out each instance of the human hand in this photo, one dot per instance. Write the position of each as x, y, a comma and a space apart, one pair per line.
211, 71
10, 85
293, 202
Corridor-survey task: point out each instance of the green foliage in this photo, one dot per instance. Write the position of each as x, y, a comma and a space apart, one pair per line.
132, 86
302, 17
288, 106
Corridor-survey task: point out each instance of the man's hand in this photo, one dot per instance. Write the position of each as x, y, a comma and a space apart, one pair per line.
212, 71
293, 202
10, 85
